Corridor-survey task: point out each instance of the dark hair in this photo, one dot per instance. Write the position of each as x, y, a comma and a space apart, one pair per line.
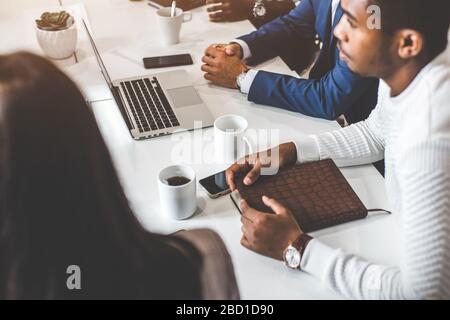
429, 17
61, 202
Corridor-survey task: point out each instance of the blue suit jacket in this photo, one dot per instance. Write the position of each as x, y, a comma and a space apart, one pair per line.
332, 90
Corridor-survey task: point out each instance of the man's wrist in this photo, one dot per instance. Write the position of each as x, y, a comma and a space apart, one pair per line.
241, 77
307, 149
288, 154
294, 253
301, 243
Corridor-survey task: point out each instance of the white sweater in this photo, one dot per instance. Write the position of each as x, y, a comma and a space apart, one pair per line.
412, 133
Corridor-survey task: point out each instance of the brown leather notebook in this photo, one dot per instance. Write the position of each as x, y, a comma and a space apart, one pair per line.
317, 193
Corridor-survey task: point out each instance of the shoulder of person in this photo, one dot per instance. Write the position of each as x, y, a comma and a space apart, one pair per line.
437, 83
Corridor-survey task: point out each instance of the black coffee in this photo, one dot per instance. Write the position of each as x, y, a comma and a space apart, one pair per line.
178, 181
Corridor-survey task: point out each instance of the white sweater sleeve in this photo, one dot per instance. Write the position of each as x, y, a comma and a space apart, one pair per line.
425, 269
358, 144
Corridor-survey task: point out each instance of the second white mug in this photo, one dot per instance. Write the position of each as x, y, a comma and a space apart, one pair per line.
170, 27
230, 140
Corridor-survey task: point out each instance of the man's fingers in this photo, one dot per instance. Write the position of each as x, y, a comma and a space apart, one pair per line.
229, 174
245, 243
210, 77
231, 50
208, 69
215, 16
233, 171
253, 174
218, 19
246, 222
277, 207
215, 8
244, 206
213, 51
250, 213
210, 61
213, 1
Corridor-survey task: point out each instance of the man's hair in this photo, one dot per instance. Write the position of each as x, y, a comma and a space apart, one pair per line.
429, 17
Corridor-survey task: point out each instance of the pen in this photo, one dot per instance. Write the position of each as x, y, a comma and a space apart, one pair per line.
152, 5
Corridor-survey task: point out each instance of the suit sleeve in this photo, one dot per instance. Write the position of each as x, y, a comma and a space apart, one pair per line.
273, 38
328, 97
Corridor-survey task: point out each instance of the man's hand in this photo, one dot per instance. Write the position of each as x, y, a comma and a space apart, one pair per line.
229, 10
231, 49
268, 234
251, 165
223, 64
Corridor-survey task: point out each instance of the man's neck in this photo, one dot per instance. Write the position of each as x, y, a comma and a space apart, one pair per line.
399, 80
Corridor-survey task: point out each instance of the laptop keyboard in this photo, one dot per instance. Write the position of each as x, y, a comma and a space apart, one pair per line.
149, 105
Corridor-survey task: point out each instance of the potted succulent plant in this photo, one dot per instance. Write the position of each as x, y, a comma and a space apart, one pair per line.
57, 34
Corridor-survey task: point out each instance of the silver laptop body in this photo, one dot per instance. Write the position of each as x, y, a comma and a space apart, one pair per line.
158, 104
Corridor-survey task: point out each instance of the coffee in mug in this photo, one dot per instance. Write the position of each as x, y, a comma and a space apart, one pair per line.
178, 191
177, 181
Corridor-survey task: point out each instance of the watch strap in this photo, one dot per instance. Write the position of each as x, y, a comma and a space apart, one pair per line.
301, 243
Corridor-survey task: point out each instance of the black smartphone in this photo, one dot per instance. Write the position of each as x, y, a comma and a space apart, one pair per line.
215, 185
168, 61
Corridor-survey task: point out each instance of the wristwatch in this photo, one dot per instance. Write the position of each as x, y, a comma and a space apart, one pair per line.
294, 252
259, 9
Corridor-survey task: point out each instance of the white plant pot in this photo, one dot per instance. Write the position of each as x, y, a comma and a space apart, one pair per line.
58, 44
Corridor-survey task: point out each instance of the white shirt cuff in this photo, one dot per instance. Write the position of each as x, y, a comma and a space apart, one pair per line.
248, 81
307, 149
246, 53
317, 259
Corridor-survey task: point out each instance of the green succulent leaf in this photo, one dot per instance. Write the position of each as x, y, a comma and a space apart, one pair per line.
55, 21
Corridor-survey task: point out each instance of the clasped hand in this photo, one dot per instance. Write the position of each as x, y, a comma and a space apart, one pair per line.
223, 64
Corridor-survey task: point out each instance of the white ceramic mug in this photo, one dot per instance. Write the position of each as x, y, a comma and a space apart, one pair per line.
230, 140
170, 27
179, 202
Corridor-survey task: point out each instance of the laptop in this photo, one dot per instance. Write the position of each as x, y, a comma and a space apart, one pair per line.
183, 4
156, 105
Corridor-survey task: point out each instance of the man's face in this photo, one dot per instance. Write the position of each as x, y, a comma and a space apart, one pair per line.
362, 48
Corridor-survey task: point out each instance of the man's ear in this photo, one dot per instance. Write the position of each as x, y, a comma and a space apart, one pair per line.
411, 44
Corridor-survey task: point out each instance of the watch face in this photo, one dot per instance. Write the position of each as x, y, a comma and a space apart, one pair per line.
292, 258
260, 11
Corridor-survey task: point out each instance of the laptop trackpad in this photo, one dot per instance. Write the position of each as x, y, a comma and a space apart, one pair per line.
184, 97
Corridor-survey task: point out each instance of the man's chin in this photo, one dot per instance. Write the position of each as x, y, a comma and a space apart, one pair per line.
356, 70
349, 63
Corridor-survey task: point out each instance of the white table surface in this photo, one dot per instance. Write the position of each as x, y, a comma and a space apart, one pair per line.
125, 32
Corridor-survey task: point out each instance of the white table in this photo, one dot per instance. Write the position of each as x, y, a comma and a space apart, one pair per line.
123, 45
17, 23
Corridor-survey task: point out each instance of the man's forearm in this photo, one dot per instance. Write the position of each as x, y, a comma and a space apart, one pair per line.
350, 146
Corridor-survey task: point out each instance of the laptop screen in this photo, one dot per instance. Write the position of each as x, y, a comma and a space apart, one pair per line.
114, 92
98, 57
